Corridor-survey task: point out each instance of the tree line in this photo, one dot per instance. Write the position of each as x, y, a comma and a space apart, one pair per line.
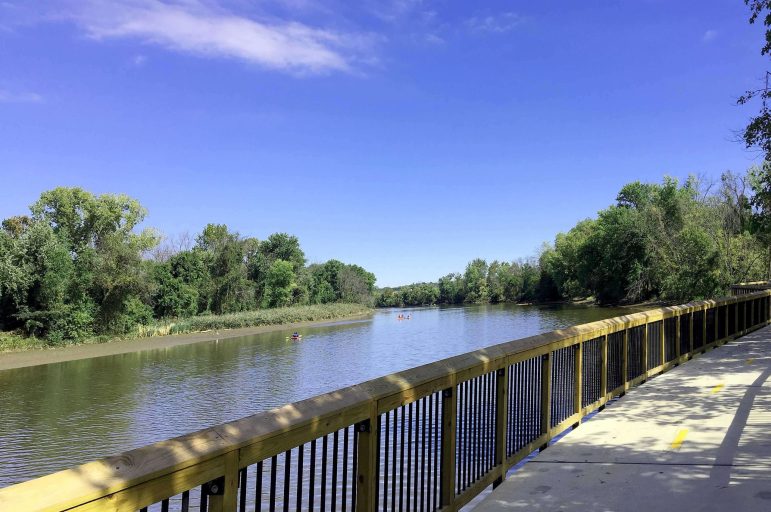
666, 241
76, 266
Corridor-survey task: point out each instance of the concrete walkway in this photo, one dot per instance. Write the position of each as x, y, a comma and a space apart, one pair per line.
697, 438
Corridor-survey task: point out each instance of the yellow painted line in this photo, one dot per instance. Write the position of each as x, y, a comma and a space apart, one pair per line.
679, 438
717, 388
750, 360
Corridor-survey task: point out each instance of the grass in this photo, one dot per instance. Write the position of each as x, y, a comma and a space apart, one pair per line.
14, 342
260, 317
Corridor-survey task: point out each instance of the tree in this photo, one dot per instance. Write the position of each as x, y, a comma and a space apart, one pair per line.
475, 282
279, 285
757, 133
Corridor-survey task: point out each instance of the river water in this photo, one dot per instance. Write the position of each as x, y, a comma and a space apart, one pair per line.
59, 415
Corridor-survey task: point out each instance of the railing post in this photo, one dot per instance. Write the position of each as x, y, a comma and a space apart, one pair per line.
501, 413
625, 362
545, 398
366, 464
449, 419
604, 369
578, 364
225, 499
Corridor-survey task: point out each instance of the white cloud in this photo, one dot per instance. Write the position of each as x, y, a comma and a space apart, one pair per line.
205, 29
139, 60
19, 97
498, 23
709, 35
433, 38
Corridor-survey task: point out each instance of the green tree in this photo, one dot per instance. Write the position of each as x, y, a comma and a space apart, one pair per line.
757, 133
279, 284
475, 282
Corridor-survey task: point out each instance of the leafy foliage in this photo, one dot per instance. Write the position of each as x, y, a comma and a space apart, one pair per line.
78, 266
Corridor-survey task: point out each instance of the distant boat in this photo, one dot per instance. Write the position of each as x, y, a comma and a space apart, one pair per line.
295, 337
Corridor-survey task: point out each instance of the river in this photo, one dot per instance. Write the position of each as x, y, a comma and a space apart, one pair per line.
59, 415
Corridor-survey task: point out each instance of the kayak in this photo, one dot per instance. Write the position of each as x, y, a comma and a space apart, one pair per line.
294, 338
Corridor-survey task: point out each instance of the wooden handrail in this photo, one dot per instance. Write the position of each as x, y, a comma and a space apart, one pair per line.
140, 477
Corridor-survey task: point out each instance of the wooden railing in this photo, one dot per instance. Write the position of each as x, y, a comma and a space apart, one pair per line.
745, 288
429, 438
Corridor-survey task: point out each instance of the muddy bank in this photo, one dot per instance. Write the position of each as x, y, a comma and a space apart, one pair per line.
10, 360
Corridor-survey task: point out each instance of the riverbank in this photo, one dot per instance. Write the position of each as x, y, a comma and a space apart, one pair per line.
18, 352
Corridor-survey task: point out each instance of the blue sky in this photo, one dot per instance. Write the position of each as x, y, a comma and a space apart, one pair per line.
406, 136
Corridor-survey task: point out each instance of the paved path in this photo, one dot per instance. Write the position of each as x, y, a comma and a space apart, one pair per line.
697, 438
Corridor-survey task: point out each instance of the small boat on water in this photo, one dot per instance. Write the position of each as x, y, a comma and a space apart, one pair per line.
295, 337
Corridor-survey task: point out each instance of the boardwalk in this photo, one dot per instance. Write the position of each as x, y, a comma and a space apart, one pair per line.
697, 438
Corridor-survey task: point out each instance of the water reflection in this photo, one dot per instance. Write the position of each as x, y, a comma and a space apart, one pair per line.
59, 415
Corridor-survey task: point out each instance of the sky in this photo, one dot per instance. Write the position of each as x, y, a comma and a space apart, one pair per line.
407, 136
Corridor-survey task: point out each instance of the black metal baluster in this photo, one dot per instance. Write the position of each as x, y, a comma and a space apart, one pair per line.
416, 444
335, 442
299, 492
273, 475
287, 478
323, 490
429, 448
258, 490
409, 457
387, 423
423, 457
393, 457
185, 506
401, 461
355, 478
312, 475
345, 468
241, 490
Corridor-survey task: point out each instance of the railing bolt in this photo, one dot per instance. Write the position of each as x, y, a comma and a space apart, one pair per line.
363, 426
501, 372
447, 393
215, 487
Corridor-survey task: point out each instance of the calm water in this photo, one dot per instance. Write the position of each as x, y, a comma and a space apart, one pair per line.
59, 415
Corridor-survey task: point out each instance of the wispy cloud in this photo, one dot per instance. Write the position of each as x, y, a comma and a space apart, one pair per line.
498, 23
19, 97
139, 60
392, 10
206, 29
709, 35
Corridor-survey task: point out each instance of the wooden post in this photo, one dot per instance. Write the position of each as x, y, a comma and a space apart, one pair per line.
578, 364
449, 419
545, 397
228, 500
501, 414
604, 369
366, 465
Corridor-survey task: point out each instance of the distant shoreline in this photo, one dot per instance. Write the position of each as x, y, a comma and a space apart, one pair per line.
36, 357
